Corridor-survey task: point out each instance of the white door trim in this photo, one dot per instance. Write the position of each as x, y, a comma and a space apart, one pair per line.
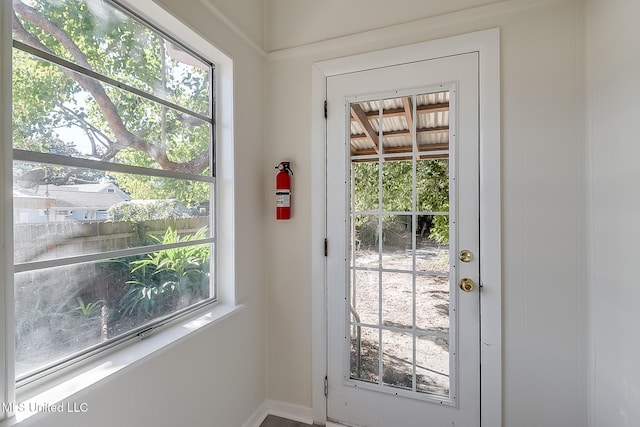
487, 44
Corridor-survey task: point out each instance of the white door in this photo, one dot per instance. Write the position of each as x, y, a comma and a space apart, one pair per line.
403, 233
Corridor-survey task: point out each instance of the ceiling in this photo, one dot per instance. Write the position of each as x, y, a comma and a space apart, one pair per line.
393, 131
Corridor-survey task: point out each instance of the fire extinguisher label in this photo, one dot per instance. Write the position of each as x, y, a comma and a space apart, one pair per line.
283, 198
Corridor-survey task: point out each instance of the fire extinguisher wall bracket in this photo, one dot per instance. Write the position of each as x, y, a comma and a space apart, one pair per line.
283, 191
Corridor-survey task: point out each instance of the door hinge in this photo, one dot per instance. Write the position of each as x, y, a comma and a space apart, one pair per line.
326, 247
325, 108
326, 386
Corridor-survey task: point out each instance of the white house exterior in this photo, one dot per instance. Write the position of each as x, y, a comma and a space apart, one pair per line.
78, 202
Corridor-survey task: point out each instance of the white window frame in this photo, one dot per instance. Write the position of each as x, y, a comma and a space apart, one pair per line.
79, 376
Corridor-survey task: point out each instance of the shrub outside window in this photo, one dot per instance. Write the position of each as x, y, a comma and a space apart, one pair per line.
113, 180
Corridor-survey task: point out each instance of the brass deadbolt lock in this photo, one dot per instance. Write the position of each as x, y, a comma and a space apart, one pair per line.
466, 284
465, 255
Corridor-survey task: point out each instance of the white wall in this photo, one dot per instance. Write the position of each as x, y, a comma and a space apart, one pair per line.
544, 289
614, 208
247, 16
217, 375
293, 23
212, 379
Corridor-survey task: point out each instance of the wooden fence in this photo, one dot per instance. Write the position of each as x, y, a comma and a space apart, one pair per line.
41, 241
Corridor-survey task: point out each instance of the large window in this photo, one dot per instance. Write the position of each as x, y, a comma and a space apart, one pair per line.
113, 180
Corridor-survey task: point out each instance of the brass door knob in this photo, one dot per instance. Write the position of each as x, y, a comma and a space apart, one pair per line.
466, 284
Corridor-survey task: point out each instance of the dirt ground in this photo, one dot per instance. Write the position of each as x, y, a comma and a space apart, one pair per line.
392, 306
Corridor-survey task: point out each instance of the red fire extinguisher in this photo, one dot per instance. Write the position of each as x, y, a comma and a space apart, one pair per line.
283, 191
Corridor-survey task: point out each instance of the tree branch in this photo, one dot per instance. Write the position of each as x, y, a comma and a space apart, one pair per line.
99, 136
108, 109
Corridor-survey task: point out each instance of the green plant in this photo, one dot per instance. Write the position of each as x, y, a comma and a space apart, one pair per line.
148, 210
431, 192
440, 230
89, 309
117, 123
163, 280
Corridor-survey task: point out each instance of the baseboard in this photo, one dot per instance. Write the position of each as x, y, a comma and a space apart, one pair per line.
257, 417
292, 412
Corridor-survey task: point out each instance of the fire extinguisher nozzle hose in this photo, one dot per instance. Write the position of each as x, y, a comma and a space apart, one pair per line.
285, 166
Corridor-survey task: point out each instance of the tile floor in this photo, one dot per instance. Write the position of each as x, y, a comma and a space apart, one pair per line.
273, 421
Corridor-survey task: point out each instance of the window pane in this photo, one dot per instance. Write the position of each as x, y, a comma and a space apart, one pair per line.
397, 300
432, 133
432, 244
61, 211
432, 303
365, 128
432, 365
64, 310
432, 185
397, 243
397, 125
365, 191
397, 359
54, 114
364, 354
365, 297
98, 36
365, 242
148, 105
397, 184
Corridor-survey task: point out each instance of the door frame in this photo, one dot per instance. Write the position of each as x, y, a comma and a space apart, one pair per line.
487, 44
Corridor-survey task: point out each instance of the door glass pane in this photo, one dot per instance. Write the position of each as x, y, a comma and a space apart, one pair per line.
397, 125
365, 176
432, 133
397, 359
365, 128
397, 300
400, 259
432, 244
432, 185
432, 303
397, 182
432, 365
364, 241
365, 291
364, 353
397, 251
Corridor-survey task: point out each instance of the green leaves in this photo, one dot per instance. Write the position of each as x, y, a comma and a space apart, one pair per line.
147, 210
396, 187
432, 185
89, 309
165, 192
55, 104
164, 280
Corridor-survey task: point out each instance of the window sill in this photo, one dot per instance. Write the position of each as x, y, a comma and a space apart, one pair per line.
48, 397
